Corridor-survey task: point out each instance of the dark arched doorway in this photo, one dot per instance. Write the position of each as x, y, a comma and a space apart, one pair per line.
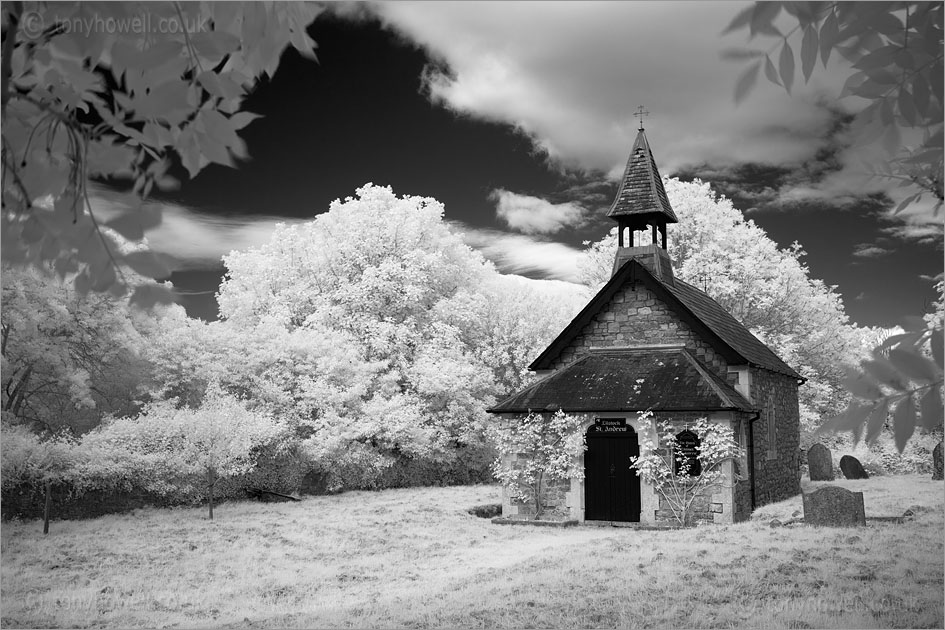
611, 487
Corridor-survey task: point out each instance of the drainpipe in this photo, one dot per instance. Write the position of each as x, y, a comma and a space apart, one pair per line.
751, 456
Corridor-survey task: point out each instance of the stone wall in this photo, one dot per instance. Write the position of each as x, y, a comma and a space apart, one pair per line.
563, 499
635, 316
742, 498
554, 502
776, 465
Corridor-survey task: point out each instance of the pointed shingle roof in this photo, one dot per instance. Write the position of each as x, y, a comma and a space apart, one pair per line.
641, 190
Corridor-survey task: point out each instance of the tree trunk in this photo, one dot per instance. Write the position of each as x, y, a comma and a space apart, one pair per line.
538, 503
46, 507
210, 481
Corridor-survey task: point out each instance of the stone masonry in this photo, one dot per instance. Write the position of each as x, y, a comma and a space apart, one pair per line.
775, 468
636, 317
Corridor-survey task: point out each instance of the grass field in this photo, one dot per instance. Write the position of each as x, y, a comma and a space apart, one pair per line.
415, 558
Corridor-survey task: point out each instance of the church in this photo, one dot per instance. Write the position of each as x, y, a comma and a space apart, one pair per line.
649, 341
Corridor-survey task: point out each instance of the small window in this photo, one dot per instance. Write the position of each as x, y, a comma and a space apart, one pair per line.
689, 444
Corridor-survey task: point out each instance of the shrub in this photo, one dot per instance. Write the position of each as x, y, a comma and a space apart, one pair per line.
663, 464
536, 450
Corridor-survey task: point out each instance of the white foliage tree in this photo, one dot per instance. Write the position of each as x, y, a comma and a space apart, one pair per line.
65, 355
219, 439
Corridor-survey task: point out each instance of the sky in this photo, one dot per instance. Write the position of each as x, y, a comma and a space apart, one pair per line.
519, 118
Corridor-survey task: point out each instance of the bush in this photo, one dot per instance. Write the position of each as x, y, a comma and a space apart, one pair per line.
882, 457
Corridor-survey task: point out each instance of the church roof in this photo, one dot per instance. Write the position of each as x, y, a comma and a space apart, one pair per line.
641, 190
633, 379
712, 322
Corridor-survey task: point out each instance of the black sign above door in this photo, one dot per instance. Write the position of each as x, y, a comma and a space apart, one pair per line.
609, 425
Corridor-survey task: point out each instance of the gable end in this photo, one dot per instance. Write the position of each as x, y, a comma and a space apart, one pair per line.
632, 271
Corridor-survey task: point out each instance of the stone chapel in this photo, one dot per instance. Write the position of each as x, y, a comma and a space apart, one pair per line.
648, 340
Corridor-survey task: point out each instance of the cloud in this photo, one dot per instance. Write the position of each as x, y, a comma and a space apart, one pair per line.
194, 240
521, 254
569, 75
867, 250
920, 222
533, 215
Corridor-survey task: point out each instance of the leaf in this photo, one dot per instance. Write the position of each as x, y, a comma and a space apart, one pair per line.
219, 85
217, 127
147, 295
147, 264
853, 81
936, 342
770, 73
852, 417
82, 283
931, 157
786, 65
892, 140
128, 225
809, 51
850, 53
214, 44
161, 52
189, 151
913, 323
907, 107
858, 385
241, 119
904, 422
870, 89
763, 16
803, 11
168, 102
881, 76
882, 371
882, 57
33, 230
213, 150
930, 409
746, 82
883, 21
104, 278
902, 205
913, 365
741, 19
877, 420
937, 81
108, 158
828, 36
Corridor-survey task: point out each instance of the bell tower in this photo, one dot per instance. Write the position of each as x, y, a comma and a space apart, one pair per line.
642, 203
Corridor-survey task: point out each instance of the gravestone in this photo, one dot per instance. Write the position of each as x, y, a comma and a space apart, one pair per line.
852, 468
820, 463
833, 506
937, 462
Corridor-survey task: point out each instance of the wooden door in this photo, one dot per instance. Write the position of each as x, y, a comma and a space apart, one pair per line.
611, 487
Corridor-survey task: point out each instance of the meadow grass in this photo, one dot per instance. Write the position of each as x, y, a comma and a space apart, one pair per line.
415, 558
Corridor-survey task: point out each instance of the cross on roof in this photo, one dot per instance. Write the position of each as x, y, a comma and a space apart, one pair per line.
641, 113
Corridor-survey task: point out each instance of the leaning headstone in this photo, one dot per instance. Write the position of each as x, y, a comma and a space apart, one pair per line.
820, 463
834, 506
937, 462
852, 468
